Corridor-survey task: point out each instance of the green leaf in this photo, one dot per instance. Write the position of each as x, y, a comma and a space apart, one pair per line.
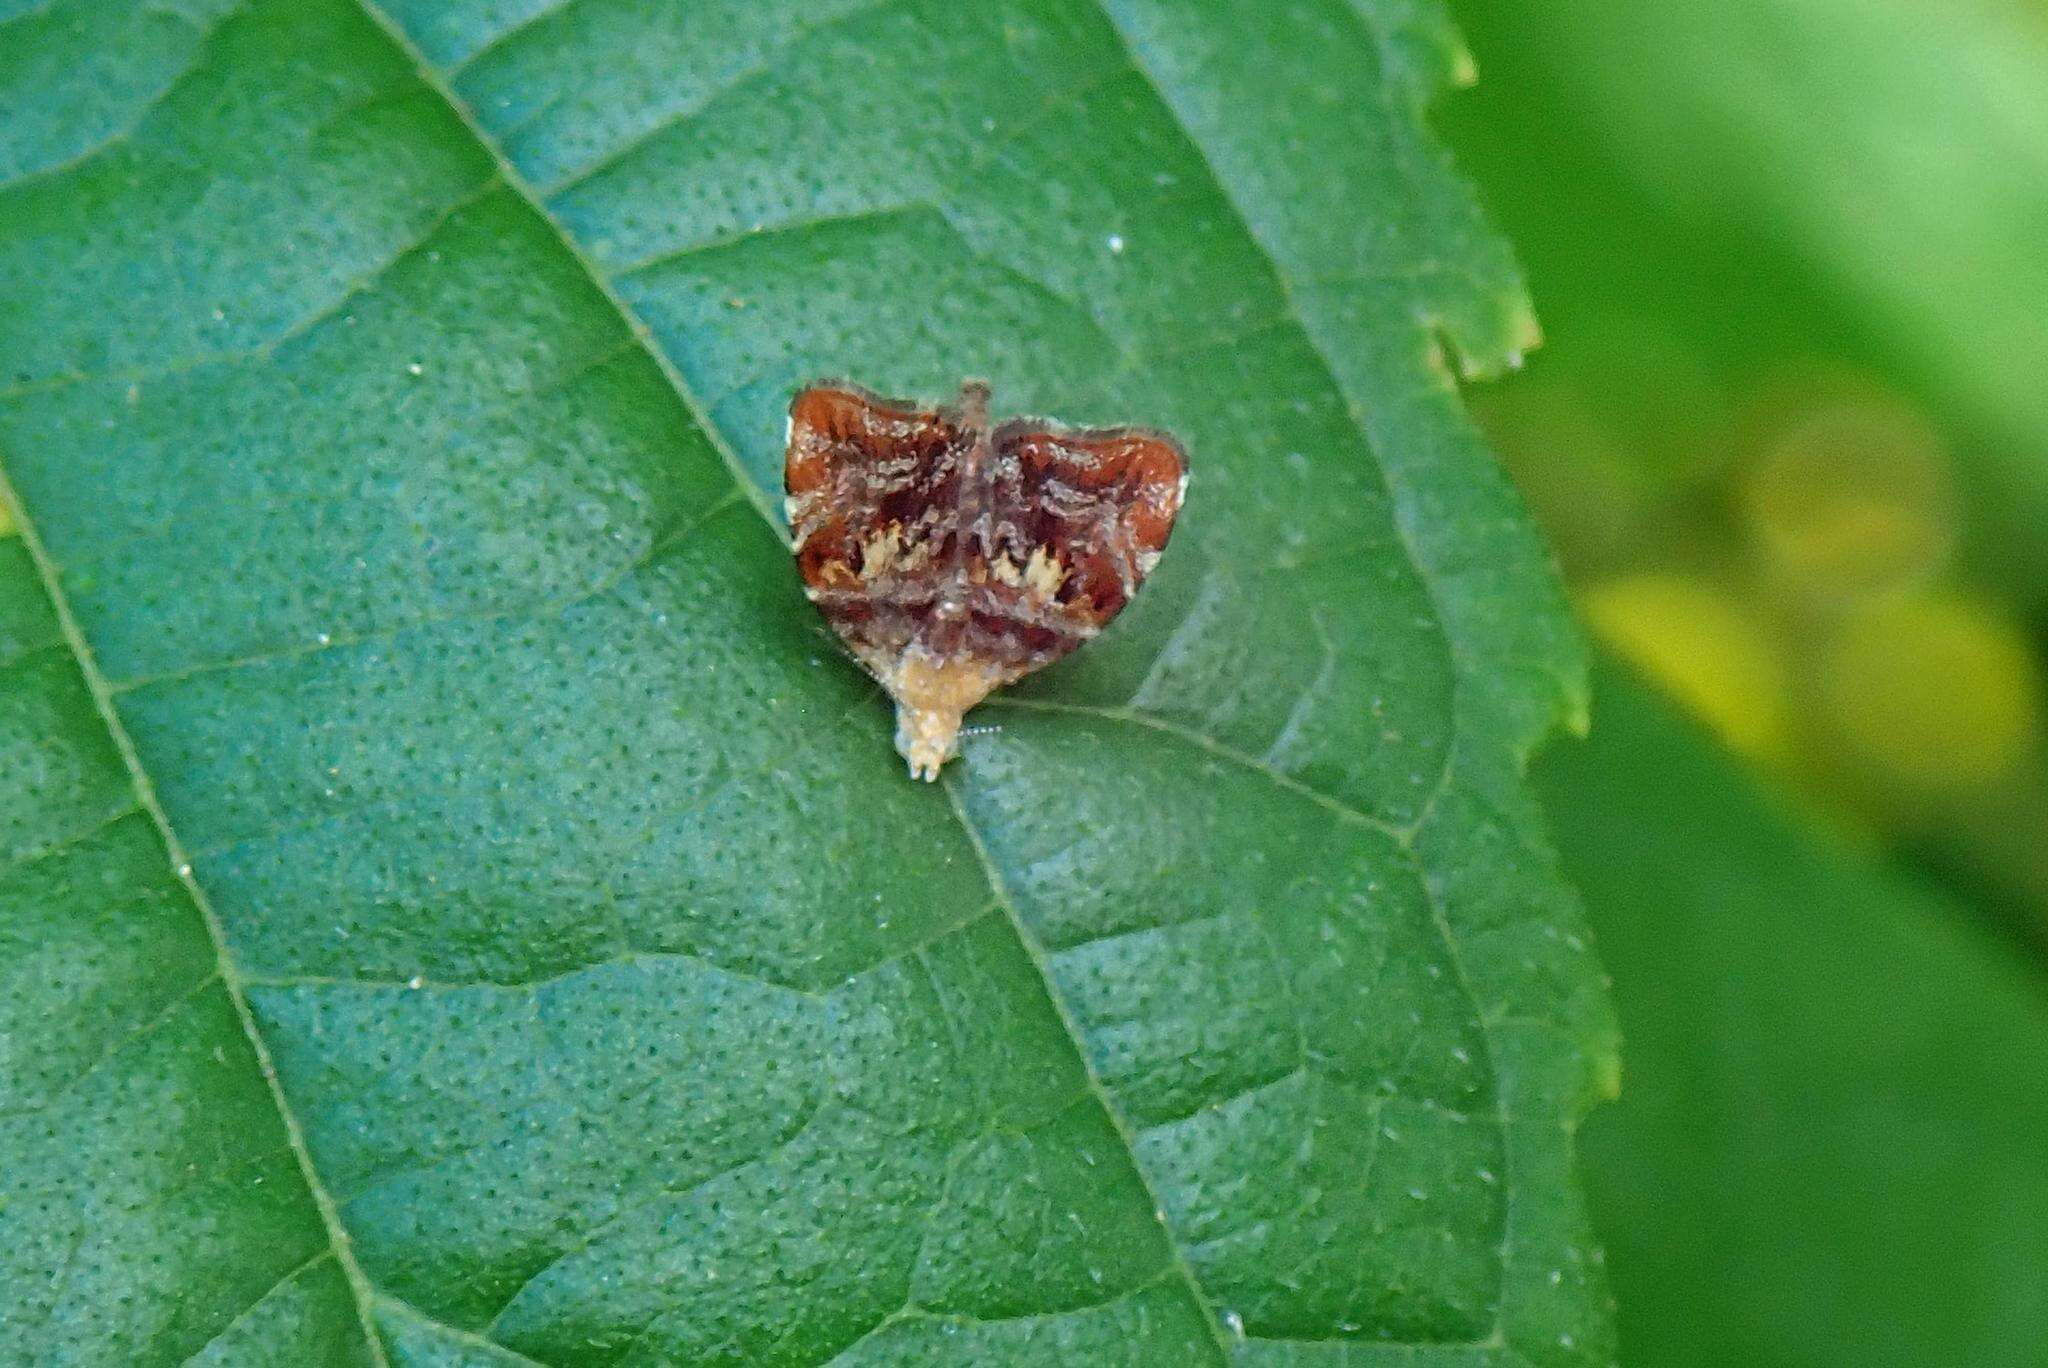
436, 799
1829, 1151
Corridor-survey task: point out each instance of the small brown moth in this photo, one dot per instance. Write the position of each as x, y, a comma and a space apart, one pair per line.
953, 557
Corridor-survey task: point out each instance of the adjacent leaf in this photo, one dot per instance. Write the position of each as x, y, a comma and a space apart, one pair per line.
392, 398
1830, 1147
1711, 191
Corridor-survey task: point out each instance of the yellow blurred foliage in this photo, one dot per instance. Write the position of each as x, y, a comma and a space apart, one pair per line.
1930, 691
1852, 499
1703, 645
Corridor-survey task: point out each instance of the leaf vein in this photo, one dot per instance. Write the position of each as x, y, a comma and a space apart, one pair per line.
1078, 1040
242, 1316
127, 131
735, 81
148, 1027
612, 579
146, 798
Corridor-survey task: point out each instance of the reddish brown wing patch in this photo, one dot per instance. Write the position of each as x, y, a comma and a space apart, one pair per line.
870, 485
952, 558
1104, 500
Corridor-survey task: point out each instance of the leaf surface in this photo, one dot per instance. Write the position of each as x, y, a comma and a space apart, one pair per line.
468, 830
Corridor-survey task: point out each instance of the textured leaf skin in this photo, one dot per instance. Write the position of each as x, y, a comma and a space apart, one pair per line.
150, 1201
1830, 1147
391, 398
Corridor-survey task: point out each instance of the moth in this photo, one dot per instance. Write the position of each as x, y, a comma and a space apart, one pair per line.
952, 556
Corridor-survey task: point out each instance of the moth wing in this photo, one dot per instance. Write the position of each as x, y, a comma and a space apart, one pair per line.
1099, 502
859, 465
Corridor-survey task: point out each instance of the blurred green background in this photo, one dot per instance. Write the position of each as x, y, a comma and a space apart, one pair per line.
1789, 435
